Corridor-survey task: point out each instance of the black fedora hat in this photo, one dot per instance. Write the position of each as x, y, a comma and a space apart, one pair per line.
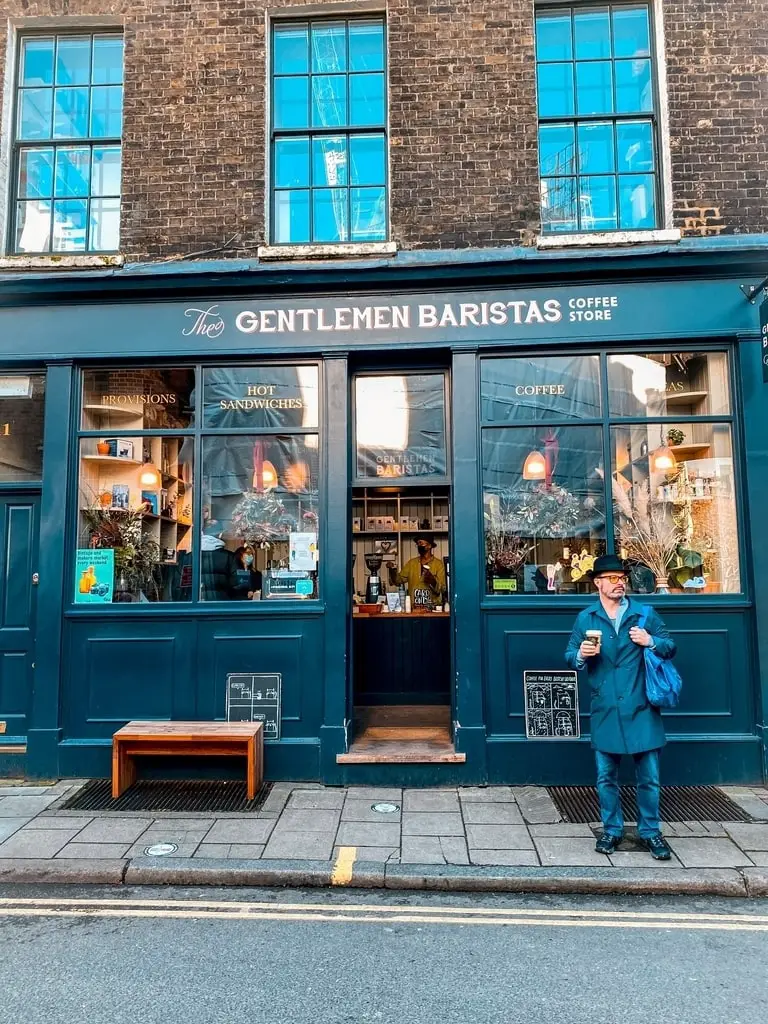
605, 564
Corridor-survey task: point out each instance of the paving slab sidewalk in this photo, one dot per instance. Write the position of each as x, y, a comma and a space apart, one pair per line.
476, 838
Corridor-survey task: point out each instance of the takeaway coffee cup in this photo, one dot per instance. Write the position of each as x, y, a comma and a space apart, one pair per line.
595, 636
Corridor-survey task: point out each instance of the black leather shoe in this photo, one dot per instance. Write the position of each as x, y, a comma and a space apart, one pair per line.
658, 848
607, 843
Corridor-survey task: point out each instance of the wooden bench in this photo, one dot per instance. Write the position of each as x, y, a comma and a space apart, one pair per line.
245, 739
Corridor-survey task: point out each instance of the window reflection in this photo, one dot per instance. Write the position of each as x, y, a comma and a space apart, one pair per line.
669, 384
400, 426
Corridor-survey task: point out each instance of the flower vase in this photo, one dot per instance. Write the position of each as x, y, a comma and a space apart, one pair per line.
662, 585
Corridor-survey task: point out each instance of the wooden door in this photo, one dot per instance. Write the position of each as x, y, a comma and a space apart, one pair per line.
19, 520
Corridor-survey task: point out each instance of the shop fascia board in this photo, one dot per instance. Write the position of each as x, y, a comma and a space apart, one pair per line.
728, 256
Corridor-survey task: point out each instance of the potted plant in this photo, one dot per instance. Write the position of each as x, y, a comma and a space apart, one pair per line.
137, 556
675, 437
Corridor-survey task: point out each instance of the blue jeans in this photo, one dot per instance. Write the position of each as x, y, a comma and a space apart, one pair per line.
648, 792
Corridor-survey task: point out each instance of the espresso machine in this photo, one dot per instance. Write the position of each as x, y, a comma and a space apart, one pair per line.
373, 586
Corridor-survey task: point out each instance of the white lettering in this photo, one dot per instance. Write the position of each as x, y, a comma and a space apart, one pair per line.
362, 318
247, 321
207, 322
448, 319
341, 323
552, 312
517, 306
321, 324
286, 320
267, 315
381, 317
427, 316
498, 315
534, 314
401, 316
469, 312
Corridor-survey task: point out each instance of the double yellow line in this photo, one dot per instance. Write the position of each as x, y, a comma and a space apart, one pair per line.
378, 913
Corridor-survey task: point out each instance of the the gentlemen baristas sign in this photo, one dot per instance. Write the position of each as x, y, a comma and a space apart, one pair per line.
210, 322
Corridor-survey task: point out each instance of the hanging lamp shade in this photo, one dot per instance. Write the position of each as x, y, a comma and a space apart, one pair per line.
535, 467
149, 476
663, 459
268, 475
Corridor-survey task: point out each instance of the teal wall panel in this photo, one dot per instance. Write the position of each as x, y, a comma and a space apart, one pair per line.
129, 677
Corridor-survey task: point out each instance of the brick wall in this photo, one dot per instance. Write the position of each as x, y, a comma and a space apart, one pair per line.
462, 114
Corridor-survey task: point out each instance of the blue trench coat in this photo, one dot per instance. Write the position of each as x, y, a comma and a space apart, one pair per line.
622, 720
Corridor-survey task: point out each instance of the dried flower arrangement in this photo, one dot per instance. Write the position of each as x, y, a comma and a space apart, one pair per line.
646, 530
522, 518
137, 555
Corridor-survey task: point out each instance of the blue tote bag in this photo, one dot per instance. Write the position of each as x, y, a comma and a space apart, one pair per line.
663, 682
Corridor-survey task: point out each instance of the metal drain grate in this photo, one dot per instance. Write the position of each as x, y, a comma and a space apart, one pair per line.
579, 804
157, 795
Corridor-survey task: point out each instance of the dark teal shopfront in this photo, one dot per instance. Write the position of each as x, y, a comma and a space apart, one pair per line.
264, 429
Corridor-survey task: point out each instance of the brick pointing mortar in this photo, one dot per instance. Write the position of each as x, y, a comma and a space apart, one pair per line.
462, 112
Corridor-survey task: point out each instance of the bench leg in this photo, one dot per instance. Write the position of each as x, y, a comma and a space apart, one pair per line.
123, 770
251, 770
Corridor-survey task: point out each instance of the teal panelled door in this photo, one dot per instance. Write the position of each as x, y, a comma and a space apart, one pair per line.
19, 520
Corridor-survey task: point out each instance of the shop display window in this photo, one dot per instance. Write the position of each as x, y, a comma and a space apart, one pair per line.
260, 517
400, 427
135, 520
22, 408
668, 507
252, 397
543, 508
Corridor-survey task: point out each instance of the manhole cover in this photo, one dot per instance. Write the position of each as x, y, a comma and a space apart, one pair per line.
385, 808
160, 849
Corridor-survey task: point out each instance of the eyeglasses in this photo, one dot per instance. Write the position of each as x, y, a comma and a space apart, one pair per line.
614, 578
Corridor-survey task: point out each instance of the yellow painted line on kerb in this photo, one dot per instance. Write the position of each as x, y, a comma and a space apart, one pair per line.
342, 869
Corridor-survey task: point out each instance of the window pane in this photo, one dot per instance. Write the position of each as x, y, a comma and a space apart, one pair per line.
329, 161
261, 517
633, 86
70, 116
33, 226
541, 388
367, 159
276, 397
35, 173
553, 36
669, 383
107, 60
70, 225
544, 508
366, 46
35, 111
635, 146
594, 88
366, 99
73, 60
291, 49
22, 407
592, 34
555, 89
597, 203
292, 216
104, 234
72, 171
329, 48
329, 215
558, 204
596, 154
637, 201
369, 214
291, 102
557, 152
138, 398
135, 520
329, 100
400, 426
631, 32
292, 163
106, 171
677, 524
37, 62
107, 112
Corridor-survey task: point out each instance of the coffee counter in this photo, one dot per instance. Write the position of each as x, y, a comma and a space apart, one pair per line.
403, 615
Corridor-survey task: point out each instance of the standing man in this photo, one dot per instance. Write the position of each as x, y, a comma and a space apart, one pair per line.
608, 643
425, 575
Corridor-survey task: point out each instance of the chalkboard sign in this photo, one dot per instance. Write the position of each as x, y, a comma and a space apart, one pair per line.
551, 705
255, 697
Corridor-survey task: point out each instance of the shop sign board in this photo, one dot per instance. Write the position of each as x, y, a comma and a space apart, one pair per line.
764, 336
535, 314
255, 697
551, 705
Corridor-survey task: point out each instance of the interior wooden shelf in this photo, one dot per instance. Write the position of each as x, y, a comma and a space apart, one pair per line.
378, 533
686, 397
113, 459
692, 448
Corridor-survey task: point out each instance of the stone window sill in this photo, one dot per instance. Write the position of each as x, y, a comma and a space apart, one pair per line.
62, 261
334, 251
608, 238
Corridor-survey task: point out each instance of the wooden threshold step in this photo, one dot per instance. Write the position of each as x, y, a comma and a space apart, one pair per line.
400, 752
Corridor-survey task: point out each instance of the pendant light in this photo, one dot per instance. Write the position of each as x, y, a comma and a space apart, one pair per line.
663, 458
535, 467
149, 476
